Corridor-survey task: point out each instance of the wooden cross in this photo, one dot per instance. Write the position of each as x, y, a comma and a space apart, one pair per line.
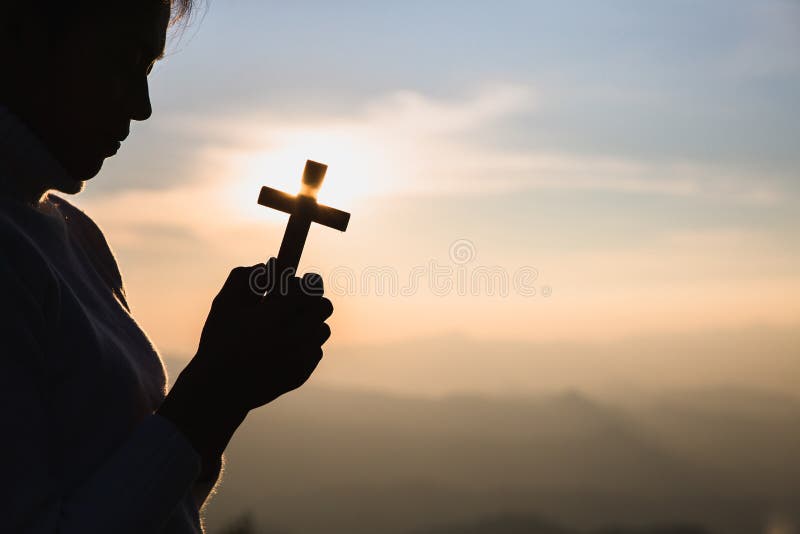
303, 210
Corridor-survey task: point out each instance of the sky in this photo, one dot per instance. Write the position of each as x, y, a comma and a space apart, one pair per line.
517, 171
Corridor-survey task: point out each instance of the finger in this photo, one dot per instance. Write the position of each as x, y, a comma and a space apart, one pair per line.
282, 284
272, 283
311, 284
304, 365
306, 375
310, 358
326, 308
243, 285
315, 309
285, 287
324, 333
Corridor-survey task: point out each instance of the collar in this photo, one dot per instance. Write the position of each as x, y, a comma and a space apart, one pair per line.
26, 166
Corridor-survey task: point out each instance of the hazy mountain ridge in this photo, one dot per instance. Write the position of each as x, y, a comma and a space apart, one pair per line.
323, 460
533, 525
494, 525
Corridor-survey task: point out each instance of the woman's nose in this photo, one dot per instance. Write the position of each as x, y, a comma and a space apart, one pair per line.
142, 108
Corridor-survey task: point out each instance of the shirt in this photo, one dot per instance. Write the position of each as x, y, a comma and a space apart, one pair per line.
82, 448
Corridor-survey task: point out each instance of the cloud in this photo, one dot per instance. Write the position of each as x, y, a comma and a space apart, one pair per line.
409, 143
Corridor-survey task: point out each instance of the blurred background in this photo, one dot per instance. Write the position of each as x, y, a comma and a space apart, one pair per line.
568, 300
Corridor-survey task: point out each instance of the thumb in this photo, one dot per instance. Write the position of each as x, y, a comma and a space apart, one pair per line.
245, 285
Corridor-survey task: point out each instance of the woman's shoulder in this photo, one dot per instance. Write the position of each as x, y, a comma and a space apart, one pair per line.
84, 232
79, 224
27, 278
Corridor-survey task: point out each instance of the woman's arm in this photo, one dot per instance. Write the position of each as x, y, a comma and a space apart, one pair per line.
206, 483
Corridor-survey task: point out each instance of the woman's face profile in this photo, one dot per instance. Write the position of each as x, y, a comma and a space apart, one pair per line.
79, 86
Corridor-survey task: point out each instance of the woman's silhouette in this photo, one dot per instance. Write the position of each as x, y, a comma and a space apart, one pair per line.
91, 442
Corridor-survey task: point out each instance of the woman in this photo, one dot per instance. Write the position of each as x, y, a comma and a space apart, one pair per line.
91, 443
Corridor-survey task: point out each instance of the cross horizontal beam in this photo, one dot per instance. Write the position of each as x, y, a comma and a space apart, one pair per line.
319, 213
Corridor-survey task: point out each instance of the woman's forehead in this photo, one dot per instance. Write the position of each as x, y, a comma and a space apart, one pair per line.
145, 21
157, 32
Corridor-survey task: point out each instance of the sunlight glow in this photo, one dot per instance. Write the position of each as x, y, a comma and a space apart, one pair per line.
354, 169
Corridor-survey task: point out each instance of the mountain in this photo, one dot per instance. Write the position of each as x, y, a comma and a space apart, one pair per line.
528, 525
494, 525
322, 460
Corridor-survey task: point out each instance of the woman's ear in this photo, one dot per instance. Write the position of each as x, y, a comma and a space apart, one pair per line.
25, 42
25, 31
26, 53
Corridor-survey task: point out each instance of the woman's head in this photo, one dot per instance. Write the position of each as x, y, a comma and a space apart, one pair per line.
76, 73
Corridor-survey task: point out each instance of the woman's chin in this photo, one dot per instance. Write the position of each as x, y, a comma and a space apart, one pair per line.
70, 186
74, 180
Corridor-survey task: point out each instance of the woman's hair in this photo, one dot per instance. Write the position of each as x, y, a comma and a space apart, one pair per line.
61, 12
181, 10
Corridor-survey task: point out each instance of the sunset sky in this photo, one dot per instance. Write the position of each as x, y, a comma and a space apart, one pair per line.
632, 166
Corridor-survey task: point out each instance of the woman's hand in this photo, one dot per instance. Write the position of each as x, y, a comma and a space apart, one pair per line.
253, 349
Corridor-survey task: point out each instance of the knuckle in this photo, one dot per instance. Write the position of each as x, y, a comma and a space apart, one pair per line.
324, 333
312, 284
238, 271
236, 274
327, 307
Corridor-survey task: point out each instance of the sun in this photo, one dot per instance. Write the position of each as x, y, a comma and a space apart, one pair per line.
353, 159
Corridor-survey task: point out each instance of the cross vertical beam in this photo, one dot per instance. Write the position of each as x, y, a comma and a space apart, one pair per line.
303, 210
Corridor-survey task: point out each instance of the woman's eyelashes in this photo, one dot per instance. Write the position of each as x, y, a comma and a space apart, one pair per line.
136, 61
